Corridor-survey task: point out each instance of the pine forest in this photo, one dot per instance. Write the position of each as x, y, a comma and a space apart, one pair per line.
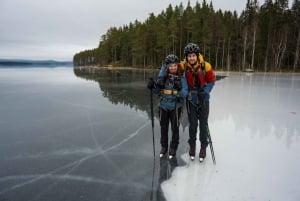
263, 38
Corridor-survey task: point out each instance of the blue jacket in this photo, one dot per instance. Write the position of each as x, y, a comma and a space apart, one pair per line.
168, 101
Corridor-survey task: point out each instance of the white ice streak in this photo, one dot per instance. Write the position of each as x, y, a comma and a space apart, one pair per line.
68, 177
128, 138
73, 165
92, 131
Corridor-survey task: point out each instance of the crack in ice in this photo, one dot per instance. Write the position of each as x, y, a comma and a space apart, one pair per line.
72, 164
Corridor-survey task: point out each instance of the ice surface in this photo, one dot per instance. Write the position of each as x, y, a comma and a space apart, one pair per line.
254, 124
88, 137
63, 138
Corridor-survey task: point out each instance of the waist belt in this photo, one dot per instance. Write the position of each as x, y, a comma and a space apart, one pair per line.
194, 91
169, 92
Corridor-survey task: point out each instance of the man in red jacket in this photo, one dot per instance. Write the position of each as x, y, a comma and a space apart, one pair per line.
200, 79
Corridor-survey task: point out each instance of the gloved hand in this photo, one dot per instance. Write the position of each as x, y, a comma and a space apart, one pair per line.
206, 89
151, 84
160, 82
201, 96
162, 70
177, 85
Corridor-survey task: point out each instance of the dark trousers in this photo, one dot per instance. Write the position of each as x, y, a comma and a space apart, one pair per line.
167, 116
195, 114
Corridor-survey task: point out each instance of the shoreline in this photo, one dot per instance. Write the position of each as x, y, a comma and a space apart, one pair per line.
154, 69
114, 68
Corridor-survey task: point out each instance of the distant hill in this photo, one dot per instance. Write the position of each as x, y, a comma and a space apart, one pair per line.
33, 63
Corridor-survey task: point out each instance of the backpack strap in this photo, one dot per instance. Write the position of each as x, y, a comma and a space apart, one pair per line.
202, 65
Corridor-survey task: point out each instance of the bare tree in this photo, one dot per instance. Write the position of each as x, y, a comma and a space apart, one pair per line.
297, 53
253, 44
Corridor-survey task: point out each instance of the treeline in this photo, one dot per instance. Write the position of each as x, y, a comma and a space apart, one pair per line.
262, 38
32, 63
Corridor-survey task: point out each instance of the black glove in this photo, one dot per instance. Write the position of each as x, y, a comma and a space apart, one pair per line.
160, 82
151, 84
201, 97
178, 85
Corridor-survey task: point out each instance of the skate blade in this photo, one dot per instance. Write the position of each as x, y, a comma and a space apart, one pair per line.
161, 155
201, 160
192, 158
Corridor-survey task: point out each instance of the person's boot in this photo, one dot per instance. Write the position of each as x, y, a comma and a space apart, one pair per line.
202, 154
192, 152
163, 151
172, 153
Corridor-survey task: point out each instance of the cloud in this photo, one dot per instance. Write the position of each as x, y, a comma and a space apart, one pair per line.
33, 25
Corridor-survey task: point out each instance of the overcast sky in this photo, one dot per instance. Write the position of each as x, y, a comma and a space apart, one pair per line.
57, 29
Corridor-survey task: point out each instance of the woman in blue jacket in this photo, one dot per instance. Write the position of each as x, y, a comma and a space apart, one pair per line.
172, 88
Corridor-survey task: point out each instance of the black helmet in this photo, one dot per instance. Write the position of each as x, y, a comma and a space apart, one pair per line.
171, 58
191, 48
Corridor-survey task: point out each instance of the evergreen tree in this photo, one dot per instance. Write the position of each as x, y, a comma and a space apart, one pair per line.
264, 38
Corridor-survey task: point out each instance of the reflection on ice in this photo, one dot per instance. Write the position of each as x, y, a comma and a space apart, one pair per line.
63, 137
254, 122
65, 140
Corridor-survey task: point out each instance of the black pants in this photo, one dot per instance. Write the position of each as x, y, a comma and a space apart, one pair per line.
167, 116
196, 113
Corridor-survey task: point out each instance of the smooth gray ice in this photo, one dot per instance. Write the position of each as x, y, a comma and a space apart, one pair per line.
87, 135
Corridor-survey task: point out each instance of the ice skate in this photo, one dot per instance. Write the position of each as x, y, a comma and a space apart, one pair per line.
202, 154
172, 153
192, 152
163, 152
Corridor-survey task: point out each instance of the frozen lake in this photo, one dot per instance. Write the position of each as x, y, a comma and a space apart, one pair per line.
87, 135
254, 123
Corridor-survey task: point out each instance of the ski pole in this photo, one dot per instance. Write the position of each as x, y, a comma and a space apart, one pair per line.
152, 121
211, 145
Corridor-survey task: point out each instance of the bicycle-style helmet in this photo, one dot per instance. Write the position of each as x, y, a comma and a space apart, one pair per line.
191, 48
171, 58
